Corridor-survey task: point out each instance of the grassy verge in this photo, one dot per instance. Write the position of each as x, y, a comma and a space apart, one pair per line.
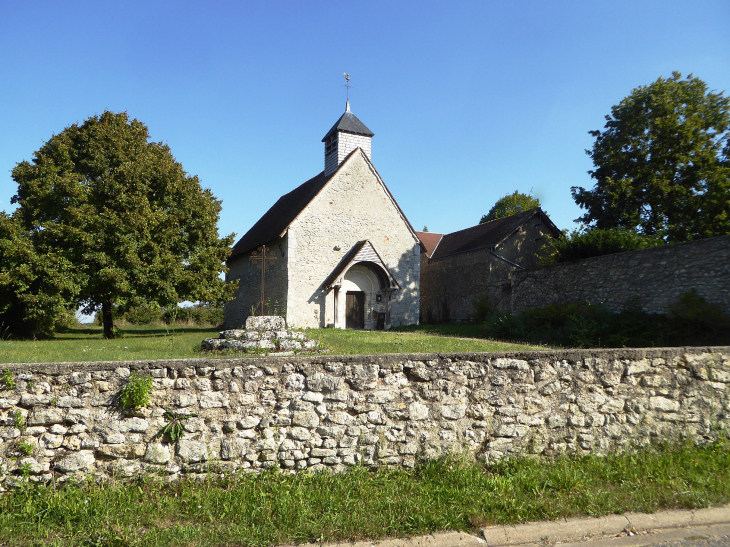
275, 508
86, 344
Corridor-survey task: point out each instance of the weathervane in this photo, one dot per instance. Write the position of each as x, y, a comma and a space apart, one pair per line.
347, 85
261, 255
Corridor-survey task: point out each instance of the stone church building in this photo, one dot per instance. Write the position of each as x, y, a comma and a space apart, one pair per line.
346, 255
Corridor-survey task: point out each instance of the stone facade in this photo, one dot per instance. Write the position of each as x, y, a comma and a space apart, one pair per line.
651, 279
247, 274
63, 421
450, 285
353, 206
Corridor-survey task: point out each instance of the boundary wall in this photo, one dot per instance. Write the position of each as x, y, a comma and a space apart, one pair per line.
63, 421
650, 279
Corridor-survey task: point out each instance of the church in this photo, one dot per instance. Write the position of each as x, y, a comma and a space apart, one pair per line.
340, 251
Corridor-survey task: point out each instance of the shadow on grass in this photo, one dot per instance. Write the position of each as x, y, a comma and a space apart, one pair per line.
93, 333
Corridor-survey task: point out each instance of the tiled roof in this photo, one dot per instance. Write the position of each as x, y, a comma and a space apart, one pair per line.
277, 219
488, 234
349, 123
429, 241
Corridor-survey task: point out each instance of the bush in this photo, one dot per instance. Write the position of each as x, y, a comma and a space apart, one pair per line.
695, 320
483, 309
152, 314
690, 321
586, 243
143, 314
199, 314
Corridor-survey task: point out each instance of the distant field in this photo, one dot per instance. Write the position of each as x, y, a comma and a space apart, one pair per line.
139, 343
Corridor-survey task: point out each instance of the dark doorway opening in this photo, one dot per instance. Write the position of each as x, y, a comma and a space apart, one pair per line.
355, 315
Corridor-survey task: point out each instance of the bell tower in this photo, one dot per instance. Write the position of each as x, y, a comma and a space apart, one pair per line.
347, 134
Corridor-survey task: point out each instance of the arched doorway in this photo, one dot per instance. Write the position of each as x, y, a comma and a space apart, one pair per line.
361, 284
361, 288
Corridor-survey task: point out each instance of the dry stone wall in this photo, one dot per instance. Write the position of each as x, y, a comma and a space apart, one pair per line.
63, 421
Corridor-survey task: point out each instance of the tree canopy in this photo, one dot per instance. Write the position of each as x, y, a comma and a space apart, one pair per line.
121, 218
662, 163
508, 205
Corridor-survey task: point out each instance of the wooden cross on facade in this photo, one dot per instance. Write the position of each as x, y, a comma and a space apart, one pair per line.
260, 258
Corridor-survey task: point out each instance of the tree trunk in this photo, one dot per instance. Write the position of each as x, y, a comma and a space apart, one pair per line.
107, 319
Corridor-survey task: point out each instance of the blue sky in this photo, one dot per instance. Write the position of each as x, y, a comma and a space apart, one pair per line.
468, 101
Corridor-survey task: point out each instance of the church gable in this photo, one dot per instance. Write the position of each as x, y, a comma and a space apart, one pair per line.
354, 205
354, 199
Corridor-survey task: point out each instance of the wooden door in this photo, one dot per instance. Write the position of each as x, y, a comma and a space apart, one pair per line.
355, 315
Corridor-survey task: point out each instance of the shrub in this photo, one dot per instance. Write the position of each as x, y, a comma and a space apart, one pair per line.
690, 321
507, 327
586, 243
483, 309
143, 314
694, 319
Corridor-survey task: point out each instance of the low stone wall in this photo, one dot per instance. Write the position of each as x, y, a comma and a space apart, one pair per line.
331, 412
651, 279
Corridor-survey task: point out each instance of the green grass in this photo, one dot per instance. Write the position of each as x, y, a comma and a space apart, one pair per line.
142, 343
87, 344
400, 341
276, 508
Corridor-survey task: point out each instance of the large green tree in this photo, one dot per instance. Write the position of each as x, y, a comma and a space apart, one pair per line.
133, 225
509, 205
35, 289
661, 163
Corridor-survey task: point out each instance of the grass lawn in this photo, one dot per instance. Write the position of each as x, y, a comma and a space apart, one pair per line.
141, 343
276, 508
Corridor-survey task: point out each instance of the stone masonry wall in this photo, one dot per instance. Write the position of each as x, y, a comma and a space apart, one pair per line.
651, 279
449, 285
63, 420
352, 207
248, 293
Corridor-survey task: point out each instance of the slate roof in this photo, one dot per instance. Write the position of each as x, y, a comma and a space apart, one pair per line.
277, 219
349, 123
429, 240
489, 234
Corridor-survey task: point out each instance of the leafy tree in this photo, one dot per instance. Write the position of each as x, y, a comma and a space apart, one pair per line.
662, 163
35, 290
580, 244
124, 214
508, 205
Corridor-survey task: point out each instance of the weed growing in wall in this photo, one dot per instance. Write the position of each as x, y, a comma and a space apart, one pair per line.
173, 428
25, 448
19, 420
7, 380
136, 392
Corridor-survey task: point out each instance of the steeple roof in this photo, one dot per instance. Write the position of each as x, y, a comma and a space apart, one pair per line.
349, 123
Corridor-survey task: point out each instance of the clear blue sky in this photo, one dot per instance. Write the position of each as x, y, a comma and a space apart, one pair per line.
468, 101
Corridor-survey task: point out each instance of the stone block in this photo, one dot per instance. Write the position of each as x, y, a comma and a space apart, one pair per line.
265, 322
